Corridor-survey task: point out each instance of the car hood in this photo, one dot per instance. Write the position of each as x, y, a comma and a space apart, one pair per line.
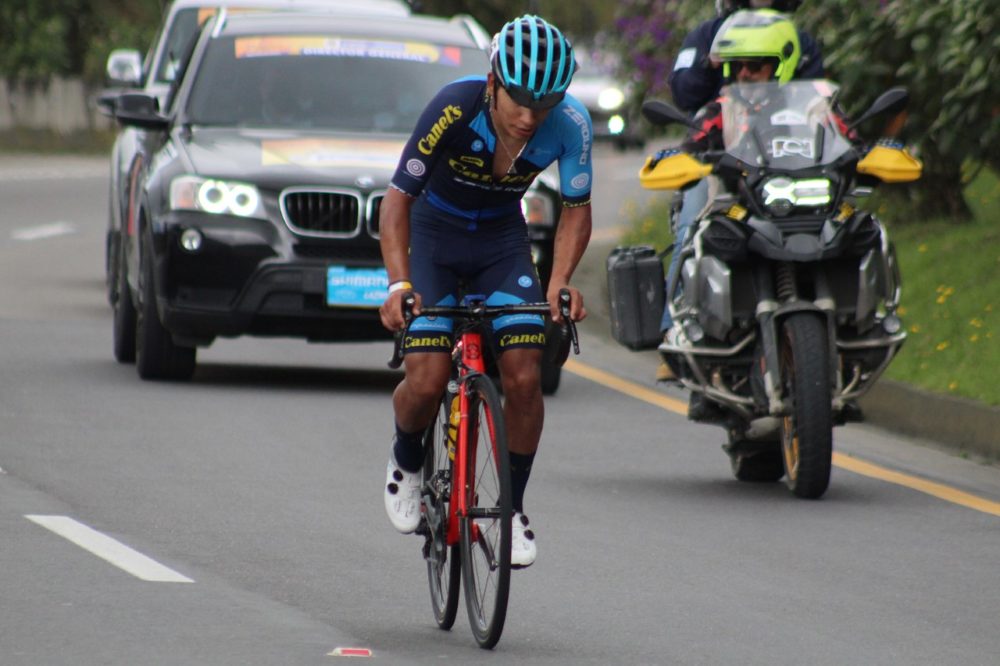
279, 157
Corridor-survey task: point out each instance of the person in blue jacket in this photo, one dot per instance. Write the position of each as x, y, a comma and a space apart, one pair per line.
694, 82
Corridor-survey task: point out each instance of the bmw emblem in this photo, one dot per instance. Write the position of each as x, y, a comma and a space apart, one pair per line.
524, 281
477, 145
364, 181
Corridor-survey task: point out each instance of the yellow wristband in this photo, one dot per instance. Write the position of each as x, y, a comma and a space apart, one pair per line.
400, 285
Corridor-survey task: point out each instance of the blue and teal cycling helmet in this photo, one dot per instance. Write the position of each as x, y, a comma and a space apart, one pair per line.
533, 61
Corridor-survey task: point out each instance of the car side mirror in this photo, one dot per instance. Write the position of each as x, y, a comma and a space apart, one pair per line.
661, 113
140, 110
124, 68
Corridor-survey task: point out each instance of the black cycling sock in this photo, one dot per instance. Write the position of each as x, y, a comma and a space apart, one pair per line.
520, 470
409, 449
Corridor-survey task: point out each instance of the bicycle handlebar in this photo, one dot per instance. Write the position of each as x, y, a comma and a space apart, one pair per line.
479, 311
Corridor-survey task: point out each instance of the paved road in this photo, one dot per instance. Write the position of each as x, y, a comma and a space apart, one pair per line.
259, 482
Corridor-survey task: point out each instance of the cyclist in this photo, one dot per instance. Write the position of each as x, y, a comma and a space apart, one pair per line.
694, 82
453, 214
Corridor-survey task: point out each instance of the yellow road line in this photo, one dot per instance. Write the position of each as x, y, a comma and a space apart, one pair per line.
940, 491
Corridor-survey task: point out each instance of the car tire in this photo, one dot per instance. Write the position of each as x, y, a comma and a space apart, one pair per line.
124, 314
157, 356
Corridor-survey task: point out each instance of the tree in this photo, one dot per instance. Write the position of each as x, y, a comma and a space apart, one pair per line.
947, 53
44, 38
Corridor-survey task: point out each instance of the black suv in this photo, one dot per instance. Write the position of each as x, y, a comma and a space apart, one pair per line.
254, 203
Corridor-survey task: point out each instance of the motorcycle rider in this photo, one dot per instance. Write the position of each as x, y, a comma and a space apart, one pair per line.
694, 82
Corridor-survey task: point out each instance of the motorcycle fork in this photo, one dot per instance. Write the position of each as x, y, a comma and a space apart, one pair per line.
777, 294
767, 305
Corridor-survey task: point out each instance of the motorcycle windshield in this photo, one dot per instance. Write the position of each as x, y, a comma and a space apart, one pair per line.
784, 127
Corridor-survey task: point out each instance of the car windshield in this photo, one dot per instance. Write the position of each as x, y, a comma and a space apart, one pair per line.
787, 127
183, 29
323, 81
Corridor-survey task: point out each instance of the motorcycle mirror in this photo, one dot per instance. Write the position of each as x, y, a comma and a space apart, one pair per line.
891, 101
662, 113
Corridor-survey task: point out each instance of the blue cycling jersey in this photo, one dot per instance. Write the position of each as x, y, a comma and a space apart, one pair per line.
449, 157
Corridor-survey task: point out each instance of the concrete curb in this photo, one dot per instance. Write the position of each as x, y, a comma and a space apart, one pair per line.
956, 423
961, 425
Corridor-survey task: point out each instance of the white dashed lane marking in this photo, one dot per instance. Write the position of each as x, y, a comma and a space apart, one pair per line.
43, 231
110, 550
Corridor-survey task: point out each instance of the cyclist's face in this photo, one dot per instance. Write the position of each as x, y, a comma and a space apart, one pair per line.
514, 120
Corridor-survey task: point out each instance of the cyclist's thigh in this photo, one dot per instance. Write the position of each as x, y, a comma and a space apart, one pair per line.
434, 279
511, 278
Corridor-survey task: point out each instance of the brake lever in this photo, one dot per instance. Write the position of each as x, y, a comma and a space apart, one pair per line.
564, 301
397, 348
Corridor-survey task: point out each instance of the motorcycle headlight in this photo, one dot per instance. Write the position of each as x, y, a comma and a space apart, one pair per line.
218, 197
781, 194
610, 99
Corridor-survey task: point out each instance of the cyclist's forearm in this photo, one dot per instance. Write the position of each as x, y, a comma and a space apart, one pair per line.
572, 237
394, 232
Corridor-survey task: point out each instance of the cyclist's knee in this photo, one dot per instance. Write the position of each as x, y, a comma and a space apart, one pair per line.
520, 374
427, 375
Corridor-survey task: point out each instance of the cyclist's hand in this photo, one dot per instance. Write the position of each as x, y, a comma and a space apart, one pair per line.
576, 310
391, 310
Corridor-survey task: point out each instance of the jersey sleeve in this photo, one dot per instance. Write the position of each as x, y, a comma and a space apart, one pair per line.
693, 82
576, 167
440, 122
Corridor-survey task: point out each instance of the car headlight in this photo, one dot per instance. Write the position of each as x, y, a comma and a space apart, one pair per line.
781, 194
537, 208
610, 99
219, 197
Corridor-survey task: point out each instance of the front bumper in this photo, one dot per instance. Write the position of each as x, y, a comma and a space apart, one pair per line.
252, 277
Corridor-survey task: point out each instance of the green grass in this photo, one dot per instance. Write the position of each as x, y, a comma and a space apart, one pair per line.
951, 293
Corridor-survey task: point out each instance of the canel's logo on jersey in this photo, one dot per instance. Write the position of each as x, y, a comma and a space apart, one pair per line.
449, 115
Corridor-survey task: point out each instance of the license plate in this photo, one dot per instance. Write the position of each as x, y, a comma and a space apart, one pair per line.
356, 287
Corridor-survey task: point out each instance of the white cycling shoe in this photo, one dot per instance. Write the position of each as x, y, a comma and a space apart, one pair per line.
402, 497
522, 542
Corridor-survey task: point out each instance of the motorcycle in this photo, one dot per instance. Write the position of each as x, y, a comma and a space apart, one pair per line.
785, 306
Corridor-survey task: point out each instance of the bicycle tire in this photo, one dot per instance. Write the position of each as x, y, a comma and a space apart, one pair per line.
444, 563
485, 529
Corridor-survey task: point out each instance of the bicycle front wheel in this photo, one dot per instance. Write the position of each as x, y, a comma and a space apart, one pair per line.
485, 529
443, 561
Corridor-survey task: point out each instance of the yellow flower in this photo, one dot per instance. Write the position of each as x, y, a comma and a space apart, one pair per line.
901, 311
915, 328
941, 346
988, 307
952, 386
974, 337
976, 322
922, 247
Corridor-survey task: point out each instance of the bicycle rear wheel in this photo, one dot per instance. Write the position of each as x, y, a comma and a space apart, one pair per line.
485, 529
444, 564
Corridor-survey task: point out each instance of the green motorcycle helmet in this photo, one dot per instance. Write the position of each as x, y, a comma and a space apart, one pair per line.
758, 34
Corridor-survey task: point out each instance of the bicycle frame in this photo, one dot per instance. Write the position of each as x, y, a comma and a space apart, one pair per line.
467, 357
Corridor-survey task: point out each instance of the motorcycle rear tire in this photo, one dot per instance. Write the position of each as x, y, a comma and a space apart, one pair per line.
807, 430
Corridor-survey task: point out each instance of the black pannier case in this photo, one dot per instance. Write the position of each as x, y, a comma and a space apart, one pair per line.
635, 287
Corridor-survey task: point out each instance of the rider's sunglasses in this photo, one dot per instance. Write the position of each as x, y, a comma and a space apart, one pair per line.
752, 66
524, 97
